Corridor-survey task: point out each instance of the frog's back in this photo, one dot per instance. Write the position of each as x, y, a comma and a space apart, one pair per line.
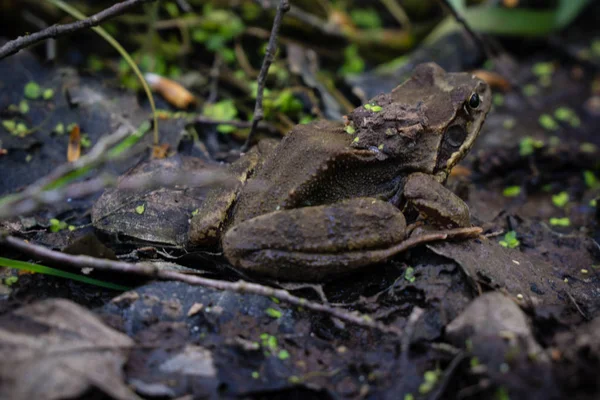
314, 164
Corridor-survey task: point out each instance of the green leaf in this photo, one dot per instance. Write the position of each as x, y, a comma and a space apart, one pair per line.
353, 62
527, 145
511, 191
271, 312
561, 199
510, 240
365, 18
23, 107
409, 274
547, 122
41, 269
48, 94
564, 222
223, 110
140, 209
32, 90
283, 355
590, 180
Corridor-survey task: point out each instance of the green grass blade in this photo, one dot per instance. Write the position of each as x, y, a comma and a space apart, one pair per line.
41, 269
113, 42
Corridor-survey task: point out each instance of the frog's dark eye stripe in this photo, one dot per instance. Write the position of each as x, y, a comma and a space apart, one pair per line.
474, 101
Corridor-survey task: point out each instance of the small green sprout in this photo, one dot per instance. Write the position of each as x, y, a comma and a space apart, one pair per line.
47, 94
366, 18
561, 199
590, 180
594, 203
224, 110
530, 90
140, 209
527, 145
255, 375
353, 62
510, 240
368, 106
547, 122
350, 130
498, 99
57, 225
565, 114
543, 69
563, 222
283, 355
356, 139
273, 313
511, 191
509, 123
32, 90
430, 379
376, 108
195, 212
11, 280
23, 106
587, 147
409, 274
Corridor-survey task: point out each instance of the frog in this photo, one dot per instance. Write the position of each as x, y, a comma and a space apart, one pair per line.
333, 197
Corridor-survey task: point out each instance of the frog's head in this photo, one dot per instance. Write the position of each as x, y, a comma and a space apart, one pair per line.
429, 123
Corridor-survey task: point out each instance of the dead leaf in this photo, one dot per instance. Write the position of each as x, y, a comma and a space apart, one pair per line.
55, 349
160, 151
74, 149
172, 91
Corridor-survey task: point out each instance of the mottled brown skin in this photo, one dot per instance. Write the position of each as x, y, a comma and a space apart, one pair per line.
329, 198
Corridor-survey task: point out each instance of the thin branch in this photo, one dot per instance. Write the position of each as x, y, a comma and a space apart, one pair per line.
151, 271
479, 42
283, 7
54, 31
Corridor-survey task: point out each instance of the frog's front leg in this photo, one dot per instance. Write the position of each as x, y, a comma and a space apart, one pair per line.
436, 202
319, 242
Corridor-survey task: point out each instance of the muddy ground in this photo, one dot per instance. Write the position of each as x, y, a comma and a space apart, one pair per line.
511, 314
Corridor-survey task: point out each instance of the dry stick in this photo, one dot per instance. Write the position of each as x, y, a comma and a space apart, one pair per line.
150, 271
479, 42
283, 7
54, 31
29, 198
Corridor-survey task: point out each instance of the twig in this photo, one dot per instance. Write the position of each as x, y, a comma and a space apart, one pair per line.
236, 123
283, 7
54, 31
96, 157
479, 42
215, 71
150, 271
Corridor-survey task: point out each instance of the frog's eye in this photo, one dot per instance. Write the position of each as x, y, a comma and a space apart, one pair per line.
474, 101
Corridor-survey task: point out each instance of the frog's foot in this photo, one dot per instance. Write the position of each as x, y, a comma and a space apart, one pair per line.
435, 202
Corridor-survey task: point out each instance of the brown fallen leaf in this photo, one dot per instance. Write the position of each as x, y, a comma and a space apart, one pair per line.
172, 91
494, 79
74, 149
160, 151
56, 349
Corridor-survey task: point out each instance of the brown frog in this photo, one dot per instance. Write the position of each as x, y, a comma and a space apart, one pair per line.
329, 198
